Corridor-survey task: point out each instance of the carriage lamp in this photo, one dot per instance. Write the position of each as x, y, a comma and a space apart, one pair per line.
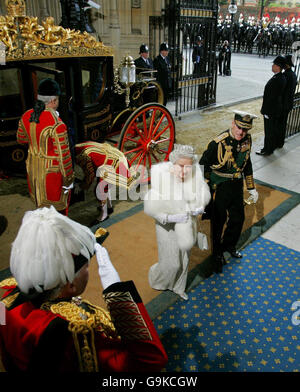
125, 75
127, 71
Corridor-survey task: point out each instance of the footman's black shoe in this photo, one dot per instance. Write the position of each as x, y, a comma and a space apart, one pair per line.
219, 261
235, 253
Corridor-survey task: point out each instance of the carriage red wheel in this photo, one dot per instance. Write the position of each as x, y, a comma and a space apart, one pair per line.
147, 138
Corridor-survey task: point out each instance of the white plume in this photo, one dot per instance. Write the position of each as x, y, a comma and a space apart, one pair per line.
41, 255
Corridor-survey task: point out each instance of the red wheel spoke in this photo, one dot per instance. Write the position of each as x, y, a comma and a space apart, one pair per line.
158, 125
133, 150
135, 157
161, 132
140, 160
131, 140
152, 122
163, 140
145, 124
134, 126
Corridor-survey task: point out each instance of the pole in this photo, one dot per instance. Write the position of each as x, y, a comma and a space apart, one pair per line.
262, 9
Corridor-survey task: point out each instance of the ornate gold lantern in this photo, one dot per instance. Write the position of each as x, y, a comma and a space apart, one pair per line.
125, 75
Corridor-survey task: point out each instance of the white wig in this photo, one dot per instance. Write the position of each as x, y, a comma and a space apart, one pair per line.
182, 151
41, 256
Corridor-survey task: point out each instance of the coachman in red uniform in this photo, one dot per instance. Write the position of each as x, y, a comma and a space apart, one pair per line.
48, 327
49, 163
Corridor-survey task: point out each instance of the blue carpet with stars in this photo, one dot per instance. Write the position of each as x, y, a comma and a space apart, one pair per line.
246, 319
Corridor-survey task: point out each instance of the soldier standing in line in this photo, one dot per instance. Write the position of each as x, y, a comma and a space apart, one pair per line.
226, 161
163, 66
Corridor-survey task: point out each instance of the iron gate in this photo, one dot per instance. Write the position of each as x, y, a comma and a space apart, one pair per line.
293, 123
182, 21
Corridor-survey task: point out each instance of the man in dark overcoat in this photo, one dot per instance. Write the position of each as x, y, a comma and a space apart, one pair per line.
288, 97
272, 107
143, 62
163, 66
198, 57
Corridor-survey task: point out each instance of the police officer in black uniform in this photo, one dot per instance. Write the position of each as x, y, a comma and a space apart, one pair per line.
226, 161
224, 59
163, 66
288, 97
143, 62
198, 57
272, 107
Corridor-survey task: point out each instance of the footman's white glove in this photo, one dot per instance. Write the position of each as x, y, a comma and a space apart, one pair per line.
68, 188
253, 195
197, 211
106, 270
177, 218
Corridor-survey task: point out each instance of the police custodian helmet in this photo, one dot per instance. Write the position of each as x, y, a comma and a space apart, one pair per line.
144, 48
163, 46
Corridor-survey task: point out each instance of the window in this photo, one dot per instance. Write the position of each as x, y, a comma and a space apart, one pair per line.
10, 95
93, 81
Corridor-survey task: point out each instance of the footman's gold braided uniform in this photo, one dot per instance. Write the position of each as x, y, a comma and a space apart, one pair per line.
75, 335
49, 164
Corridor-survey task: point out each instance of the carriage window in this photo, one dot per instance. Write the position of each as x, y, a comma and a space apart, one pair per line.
92, 82
47, 70
10, 95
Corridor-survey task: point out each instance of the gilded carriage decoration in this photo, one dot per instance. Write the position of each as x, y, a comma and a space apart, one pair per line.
24, 38
98, 101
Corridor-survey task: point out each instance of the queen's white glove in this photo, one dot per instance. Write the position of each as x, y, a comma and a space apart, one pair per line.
177, 218
253, 195
68, 188
106, 270
197, 211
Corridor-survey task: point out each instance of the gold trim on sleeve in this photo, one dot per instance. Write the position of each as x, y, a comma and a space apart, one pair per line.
126, 315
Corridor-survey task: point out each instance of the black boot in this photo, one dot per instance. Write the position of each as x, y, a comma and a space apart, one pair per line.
219, 261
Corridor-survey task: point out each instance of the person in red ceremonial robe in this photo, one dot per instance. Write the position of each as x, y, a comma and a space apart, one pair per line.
48, 327
49, 163
108, 164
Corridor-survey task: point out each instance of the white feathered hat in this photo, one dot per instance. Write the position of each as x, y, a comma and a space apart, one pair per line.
44, 251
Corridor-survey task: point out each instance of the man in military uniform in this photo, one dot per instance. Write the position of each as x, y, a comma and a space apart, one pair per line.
272, 107
163, 66
226, 161
143, 62
49, 328
49, 163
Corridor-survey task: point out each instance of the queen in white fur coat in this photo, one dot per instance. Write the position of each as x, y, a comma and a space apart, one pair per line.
178, 194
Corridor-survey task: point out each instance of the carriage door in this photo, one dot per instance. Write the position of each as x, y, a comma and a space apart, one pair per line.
12, 106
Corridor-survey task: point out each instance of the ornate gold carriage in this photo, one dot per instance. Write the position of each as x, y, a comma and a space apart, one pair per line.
98, 102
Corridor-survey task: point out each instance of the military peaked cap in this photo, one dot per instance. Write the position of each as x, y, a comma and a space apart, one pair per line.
243, 119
